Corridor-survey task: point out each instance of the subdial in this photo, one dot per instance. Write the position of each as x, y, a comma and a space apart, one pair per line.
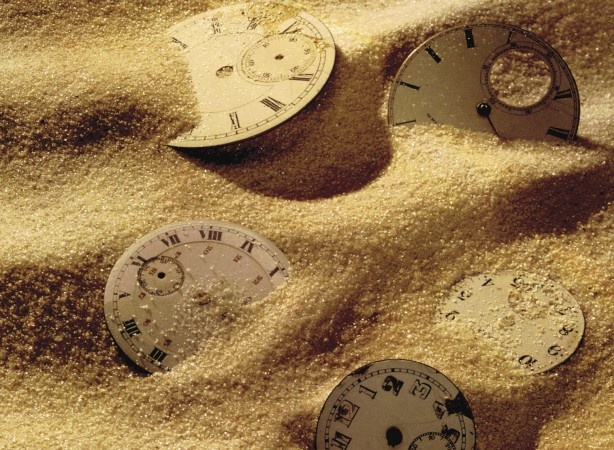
161, 276
278, 57
432, 441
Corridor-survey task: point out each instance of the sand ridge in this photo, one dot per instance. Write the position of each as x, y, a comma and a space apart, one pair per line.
377, 223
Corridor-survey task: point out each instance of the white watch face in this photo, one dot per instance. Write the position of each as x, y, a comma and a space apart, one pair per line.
396, 404
252, 67
175, 286
487, 77
536, 322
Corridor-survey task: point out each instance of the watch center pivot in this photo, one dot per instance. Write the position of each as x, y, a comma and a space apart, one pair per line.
394, 436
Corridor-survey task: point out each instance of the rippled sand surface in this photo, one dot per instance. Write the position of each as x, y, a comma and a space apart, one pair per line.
378, 224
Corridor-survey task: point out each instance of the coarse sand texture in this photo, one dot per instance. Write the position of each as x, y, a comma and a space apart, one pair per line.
379, 224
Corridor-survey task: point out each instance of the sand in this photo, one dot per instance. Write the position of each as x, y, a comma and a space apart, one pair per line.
378, 224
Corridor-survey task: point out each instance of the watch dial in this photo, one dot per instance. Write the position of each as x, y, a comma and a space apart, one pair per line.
396, 404
253, 67
487, 77
535, 321
174, 287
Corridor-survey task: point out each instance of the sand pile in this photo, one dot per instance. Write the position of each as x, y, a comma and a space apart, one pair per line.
378, 224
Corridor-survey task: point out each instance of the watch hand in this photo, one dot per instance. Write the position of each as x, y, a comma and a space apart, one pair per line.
484, 110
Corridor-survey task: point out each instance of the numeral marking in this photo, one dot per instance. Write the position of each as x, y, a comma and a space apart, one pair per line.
433, 54
558, 133
469, 38
212, 235
273, 272
302, 77
234, 120
248, 246
392, 384
527, 360
421, 390
275, 105
452, 315
451, 433
510, 36
140, 261
123, 294
409, 85
346, 411
406, 121
131, 327
293, 28
563, 94
177, 41
464, 295
488, 282
253, 24
554, 350
173, 239
215, 26
340, 441
158, 355
365, 390
566, 330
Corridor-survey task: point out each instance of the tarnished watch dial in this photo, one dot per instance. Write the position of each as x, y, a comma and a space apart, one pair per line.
534, 321
253, 66
396, 404
175, 286
491, 78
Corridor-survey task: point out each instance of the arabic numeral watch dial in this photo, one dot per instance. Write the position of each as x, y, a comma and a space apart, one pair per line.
536, 323
395, 403
180, 284
487, 77
252, 67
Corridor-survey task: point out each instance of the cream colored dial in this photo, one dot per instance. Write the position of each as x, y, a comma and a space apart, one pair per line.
487, 77
177, 285
396, 404
535, 322
252, 67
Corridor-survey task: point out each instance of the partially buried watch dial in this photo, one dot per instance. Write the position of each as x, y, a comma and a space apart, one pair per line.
487, 77
534, 321
396, 404
177, 285
252, 67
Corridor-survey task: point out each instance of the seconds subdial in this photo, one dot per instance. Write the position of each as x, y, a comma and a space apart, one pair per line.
279, 57
161, 276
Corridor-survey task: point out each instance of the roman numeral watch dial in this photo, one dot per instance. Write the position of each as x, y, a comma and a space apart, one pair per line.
535, 322
396, 404
252, 67
177, 285
491, 78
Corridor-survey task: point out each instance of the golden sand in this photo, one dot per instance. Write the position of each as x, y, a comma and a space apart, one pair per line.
378, 224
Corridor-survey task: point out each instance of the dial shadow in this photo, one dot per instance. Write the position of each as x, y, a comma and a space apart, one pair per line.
337, 144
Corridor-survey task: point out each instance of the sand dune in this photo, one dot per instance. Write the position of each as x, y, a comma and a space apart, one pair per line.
378, 223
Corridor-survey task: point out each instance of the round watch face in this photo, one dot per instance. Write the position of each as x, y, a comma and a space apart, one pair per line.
396, 404
177, 285
253, 67
487, 77
535, 321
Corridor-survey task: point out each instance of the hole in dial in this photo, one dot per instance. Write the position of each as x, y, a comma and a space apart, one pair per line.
520, 78
394, 436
